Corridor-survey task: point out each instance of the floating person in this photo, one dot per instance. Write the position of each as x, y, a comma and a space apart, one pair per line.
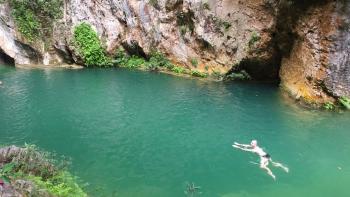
265, 158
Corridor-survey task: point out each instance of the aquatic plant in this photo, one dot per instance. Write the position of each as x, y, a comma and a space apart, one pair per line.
34, 18
89, 46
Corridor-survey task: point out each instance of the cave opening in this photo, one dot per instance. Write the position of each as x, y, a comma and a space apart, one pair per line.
6, 59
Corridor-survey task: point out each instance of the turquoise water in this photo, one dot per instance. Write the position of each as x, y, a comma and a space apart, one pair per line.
133, 133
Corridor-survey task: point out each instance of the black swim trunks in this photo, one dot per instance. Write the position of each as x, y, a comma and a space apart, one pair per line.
267, 156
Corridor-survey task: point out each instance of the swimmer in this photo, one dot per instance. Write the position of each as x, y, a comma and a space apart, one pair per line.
265, 158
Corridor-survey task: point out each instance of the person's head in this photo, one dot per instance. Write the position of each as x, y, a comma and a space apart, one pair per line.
254, 143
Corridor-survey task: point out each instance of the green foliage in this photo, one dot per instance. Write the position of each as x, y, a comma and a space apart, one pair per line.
196, 73
183, 30
206, 67
254, 38
34, 18
63, 184
178, 70
38, 166
217, 75
123, 60
329, 106
185, 20
157, 60
206, 6
6, 172
154, 3
89, 46
194, 62
345, 102
226, 25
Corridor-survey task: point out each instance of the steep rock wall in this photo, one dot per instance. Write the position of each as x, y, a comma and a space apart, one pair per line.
308, 40
317, 68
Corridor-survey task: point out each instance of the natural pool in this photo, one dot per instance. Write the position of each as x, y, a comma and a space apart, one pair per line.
133, 133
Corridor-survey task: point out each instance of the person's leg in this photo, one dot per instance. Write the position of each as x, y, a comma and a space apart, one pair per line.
276, 164
264, 162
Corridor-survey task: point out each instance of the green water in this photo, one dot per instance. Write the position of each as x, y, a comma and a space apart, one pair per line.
133, 133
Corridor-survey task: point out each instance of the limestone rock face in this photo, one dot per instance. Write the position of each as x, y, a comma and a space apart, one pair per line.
9, 44
305, 44
317, 68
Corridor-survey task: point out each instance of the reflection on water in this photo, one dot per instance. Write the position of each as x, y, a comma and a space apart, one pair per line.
148, 134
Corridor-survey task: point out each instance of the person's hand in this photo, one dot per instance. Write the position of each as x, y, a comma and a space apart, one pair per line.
235, 146
236, 143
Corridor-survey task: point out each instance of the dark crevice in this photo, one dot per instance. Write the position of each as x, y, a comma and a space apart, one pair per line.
34, 56
6, 59
283, 39
133, 48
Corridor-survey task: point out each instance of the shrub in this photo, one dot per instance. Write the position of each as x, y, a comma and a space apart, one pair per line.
34, 18
185, 20
194, 62
253, 39
89, 46
154, 3
38, 166
183, 30
178, 70
345, 102
329, 106
206, 6
196, 73
226, 25
157, 60
217, 75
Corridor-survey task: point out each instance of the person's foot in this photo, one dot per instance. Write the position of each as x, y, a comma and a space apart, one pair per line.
273, 176
286, 169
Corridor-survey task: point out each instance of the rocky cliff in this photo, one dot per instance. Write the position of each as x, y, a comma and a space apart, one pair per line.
305, 45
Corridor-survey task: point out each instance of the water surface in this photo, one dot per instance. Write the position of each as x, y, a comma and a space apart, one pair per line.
133, 133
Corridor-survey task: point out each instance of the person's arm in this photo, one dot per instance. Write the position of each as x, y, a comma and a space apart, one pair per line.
242, 145
242, 148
